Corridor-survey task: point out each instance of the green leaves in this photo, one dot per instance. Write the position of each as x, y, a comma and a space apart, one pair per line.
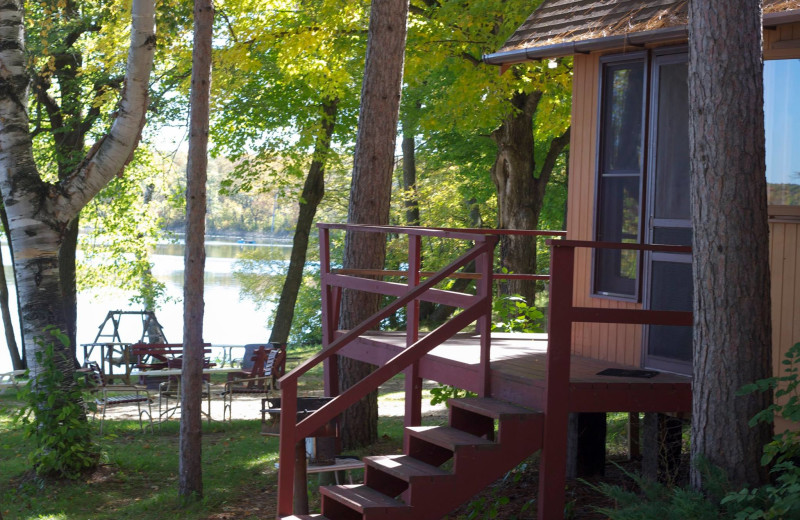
55, 417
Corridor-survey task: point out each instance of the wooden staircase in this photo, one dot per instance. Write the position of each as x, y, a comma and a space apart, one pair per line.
485, 439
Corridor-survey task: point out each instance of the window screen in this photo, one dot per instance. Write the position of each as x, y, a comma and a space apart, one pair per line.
620, 176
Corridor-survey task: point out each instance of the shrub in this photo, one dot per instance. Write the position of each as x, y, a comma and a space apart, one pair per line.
776, 500
55, 416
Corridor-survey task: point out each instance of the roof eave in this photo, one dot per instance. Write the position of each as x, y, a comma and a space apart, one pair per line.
638, 39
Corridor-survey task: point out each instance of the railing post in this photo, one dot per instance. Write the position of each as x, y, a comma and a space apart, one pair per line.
484, 325
330, 312
553, 465
413, 383
288, 445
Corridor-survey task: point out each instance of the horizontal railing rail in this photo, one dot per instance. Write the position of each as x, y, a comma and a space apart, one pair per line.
475, 307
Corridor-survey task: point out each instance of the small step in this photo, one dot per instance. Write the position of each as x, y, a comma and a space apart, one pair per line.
404, 467
491, 407
447, 437
361, 498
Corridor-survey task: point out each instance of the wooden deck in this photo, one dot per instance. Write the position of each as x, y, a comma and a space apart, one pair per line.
518, 373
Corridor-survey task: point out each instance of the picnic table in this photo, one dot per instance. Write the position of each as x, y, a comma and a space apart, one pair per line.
11, 379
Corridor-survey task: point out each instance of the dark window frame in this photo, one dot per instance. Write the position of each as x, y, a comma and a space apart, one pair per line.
606, 62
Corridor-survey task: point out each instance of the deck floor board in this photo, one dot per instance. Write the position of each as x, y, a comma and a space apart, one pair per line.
518, 364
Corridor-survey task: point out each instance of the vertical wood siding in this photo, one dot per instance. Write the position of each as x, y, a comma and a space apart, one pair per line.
776, 40
608, 342
784, 250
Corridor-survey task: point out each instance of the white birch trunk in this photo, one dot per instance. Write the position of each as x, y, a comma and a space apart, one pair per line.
38, 212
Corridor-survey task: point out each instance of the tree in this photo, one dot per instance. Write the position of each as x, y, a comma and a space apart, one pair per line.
370, 192
730, 252
40, 212
525, 112
190, 471
11, 341
310, 78
313, 191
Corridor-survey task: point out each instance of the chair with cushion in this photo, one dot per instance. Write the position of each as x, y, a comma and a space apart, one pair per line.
117, 395
267, 363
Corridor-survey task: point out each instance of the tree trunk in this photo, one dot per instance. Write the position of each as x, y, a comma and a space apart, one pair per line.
9, 326
11, 340
411, 200
729, 214
68, 280
38, 212
190, 470
370, 192
313, 191
520, 194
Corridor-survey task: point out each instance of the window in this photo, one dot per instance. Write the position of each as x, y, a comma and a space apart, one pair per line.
619, 182
782, 126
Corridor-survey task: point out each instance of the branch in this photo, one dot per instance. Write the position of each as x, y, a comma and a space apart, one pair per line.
94, 112
472, 59
113, 151
41, 84
557, 146
228, 23
72, 37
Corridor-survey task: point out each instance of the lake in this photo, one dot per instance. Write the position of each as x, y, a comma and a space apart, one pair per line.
228, 319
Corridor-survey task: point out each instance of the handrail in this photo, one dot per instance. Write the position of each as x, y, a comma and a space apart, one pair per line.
393, 367
444, 232
373, 320
475, 307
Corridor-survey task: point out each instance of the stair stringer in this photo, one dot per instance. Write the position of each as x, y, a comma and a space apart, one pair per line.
427, 492
519, 435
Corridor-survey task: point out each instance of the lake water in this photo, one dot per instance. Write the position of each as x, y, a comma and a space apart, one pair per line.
228, 319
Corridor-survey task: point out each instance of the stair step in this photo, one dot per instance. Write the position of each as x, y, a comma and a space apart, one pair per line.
494, 408
404, 467
303, 517
447, 437
361, 498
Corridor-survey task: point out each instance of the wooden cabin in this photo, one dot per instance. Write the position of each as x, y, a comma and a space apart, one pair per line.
619, 320
628, 53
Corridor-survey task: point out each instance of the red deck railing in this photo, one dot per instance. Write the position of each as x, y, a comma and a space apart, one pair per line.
476, 307
563, 314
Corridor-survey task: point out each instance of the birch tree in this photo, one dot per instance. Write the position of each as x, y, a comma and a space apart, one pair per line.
40, 211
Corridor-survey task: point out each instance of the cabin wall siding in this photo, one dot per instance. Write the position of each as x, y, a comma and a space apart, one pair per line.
775, 41
785, 288
608, 342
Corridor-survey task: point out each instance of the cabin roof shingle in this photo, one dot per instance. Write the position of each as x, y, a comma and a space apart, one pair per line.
563, 21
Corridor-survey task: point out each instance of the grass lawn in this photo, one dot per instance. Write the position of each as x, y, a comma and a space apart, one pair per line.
138, 477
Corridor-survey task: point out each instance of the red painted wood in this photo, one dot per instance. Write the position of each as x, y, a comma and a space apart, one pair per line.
553, 464
451, 298
414, 231
386, 372
639, 316
328, 327
619, 245
462, 233
286, 450
413, 383
373, 320
484, 326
